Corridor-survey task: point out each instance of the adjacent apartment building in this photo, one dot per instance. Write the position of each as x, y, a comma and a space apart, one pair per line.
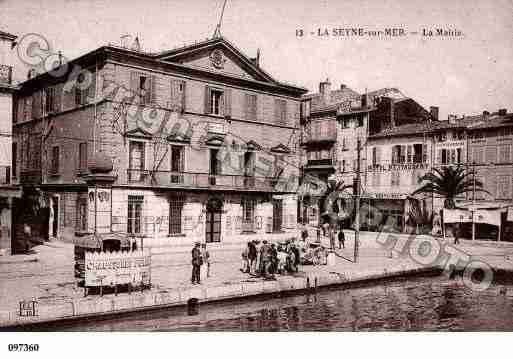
8, 192
334, 121
195, 143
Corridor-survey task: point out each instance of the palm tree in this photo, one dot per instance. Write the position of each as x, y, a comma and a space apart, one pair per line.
449, 182
332, 187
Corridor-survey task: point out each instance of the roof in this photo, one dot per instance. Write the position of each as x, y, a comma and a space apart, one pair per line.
158, 58
8, 36
468, 122
346, 94
336, 97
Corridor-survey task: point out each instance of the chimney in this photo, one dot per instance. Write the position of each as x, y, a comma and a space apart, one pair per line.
503, 112
433, 110
451, 118
342, 86
324, 90
485, 115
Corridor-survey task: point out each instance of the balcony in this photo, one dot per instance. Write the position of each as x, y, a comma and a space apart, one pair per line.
5, 74
310, 139
28, 177
321, 164
5, 175
191, 180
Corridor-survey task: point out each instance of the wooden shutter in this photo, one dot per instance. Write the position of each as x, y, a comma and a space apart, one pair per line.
36, 104
284, 111
91, 91
277, 110
207, 99
247, 105
152, 89
57, 98
182, 96
134, 83
227, 96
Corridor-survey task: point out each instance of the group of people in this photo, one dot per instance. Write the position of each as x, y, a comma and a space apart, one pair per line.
200, 257
267, 259
326, 230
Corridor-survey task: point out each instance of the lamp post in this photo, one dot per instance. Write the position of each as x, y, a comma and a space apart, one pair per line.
357, 202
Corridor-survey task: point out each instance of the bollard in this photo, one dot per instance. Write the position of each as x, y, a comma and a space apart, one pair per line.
192, 306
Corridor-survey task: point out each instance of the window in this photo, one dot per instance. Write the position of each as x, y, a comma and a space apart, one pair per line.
82, 156
50, 104
478, 155
251, 107
177, 161
136, 160
280, 111
248, 214
175, 214
134, 217
144, 89
14, 160
374, 156
216, 99
504, 153
306, 109
491, 154
178, 95
249, 164
395, 178
27, 108
215, 164
80, 94
504, 187
277, 214
54, 163
81, 223
343, 165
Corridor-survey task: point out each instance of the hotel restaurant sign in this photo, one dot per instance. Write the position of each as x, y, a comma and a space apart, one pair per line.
398, 167
113, 268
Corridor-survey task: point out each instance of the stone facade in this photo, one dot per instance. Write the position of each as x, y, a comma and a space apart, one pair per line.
176, 127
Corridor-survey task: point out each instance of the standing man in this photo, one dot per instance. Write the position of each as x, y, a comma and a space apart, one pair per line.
341, 239
196, 263
252, 257
205, 255
456, 234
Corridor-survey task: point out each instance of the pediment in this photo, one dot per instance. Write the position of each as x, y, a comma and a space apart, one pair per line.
281, 148
138, 132
178, 137
253, 146
215, 140
217, 55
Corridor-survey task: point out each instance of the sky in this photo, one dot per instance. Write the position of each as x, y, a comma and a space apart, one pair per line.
461, 75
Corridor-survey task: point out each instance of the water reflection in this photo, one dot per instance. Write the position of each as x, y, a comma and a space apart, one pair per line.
425, 303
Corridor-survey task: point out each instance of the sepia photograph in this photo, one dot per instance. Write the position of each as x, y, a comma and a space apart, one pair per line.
255, 166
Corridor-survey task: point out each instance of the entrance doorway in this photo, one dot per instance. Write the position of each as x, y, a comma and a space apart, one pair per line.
277, 214
54, 218
213, 226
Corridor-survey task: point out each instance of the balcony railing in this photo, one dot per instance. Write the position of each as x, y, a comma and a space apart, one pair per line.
5, 74
321, 162
204, 180
30, 176
5, 175
248, 226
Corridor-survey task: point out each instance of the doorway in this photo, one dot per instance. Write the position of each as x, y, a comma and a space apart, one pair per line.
277, 214
213, 226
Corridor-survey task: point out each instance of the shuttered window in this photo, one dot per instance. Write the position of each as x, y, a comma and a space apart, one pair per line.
82, 156
143, 86
54, 164
251, 107
218, 101
280, 111
178, 95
